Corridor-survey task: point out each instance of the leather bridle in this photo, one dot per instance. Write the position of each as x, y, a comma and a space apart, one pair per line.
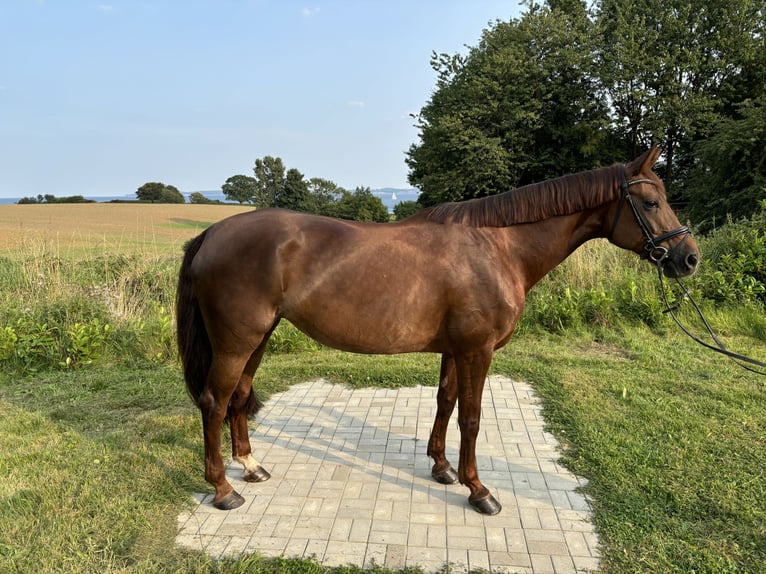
653, 251
659, 255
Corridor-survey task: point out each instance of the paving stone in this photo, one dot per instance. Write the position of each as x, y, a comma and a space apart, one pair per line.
351, 485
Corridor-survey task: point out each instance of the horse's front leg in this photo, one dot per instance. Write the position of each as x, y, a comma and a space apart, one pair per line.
471, 374
446, 397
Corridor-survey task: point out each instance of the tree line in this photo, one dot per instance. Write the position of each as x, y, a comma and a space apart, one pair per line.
568, 87
272, 185
49, 198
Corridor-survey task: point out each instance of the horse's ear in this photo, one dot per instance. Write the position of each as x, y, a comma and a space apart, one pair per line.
645, 162
654, 154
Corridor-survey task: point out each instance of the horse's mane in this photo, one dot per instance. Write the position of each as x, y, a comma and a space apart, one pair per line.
534, 202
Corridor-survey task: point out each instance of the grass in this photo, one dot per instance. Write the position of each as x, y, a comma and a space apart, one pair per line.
96, 463
99, 457
672, 439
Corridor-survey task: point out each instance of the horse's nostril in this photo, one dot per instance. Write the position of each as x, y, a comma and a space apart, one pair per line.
692, 260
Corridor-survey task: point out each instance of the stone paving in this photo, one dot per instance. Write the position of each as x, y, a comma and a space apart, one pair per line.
351, 484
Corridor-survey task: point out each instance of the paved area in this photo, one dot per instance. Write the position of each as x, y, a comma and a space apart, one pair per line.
351, 484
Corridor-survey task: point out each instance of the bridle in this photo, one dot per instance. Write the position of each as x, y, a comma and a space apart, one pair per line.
653, 251
658, 255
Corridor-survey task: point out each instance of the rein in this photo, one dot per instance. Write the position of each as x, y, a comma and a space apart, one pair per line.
657, 254
719, 347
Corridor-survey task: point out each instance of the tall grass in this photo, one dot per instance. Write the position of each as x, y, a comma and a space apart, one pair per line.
57, 312
61, 313
597, 285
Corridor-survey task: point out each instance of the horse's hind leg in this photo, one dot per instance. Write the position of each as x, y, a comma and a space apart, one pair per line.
222, 380
242, 405
446, 397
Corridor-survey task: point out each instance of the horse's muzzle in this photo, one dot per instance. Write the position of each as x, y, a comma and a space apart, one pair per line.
681, 262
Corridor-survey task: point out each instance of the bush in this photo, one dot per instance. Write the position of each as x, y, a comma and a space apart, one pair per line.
288, 339
734, 261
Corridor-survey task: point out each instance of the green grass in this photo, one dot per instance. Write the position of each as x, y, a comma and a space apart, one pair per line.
97, 462
672, 439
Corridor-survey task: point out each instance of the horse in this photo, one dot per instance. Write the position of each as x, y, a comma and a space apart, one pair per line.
451, 279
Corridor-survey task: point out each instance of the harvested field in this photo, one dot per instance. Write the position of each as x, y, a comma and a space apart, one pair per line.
72, 230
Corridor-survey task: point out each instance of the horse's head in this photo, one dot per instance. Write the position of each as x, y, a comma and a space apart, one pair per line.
642, 220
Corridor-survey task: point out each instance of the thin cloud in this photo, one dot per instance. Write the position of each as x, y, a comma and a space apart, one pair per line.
105, 8
310, 12
355, 104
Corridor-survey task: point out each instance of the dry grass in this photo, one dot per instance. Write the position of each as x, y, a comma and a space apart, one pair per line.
70, 231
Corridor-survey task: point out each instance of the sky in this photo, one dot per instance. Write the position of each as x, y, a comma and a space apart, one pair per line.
99, 97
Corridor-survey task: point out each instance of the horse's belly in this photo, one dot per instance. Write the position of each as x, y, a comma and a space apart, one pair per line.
370, 329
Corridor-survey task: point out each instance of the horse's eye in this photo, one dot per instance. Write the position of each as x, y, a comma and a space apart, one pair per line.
651, 204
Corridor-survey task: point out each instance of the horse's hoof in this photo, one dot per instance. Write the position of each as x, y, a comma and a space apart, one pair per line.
487, 505
444, 476
260, 474
230, 501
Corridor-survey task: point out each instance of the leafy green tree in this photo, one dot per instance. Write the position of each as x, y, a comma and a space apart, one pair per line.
240, 188
359, 205
405, 209
270, 180
322, 193
158, 192
294, 192
663, 62
522, 106
199, 198
729, 178
171, 194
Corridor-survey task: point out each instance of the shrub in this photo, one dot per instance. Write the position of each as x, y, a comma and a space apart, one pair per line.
734, 261
85, 342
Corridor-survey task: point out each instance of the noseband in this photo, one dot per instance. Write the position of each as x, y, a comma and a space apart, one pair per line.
653, 251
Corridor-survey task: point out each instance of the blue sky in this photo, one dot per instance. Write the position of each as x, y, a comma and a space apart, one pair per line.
99, 97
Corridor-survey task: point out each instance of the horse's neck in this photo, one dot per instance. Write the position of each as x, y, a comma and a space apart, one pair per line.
535, 249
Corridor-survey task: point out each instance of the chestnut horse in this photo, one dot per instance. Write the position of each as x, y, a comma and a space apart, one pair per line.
451, 279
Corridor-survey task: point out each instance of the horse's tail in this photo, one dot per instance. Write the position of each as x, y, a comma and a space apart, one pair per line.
193, 342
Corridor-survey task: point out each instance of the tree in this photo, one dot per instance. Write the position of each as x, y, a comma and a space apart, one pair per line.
522, 106
729, 178
663, 62
294, 192
322, 193
270, 180
199, 198
157, 192
405, 209
240, 188
361, 205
